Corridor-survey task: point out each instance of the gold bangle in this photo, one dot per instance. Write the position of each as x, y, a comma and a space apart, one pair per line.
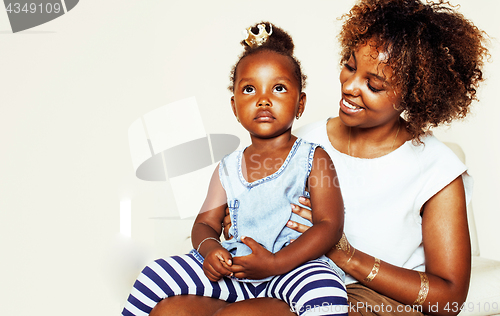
424, 289
374, 271
352, 255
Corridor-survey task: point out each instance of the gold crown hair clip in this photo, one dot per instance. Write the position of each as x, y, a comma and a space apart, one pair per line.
256, 40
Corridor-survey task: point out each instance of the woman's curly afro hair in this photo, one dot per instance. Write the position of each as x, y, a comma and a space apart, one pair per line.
436, 55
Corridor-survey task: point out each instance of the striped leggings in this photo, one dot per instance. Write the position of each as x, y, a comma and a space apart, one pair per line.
313, 288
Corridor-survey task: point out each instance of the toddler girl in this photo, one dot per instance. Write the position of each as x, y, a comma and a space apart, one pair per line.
258, 185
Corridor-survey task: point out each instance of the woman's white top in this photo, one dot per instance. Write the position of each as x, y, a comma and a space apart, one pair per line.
383, 196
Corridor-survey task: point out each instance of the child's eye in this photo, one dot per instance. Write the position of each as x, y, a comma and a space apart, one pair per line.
279, 89
248, 90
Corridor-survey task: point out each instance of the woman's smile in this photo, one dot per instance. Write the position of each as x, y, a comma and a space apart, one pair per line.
349, 107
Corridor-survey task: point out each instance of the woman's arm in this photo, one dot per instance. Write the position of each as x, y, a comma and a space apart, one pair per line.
447, 252
328, 220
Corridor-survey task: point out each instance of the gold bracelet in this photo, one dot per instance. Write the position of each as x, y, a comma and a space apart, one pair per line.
352, 255
374, 271
424, 289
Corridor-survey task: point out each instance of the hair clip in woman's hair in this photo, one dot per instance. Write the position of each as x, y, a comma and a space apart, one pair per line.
256, 40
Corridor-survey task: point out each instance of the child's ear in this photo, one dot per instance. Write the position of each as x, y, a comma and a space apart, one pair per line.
233, 107
302, 103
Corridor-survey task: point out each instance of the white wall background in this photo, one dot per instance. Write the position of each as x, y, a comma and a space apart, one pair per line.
71, 88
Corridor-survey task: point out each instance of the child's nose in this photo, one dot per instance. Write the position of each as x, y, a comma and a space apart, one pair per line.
264, 100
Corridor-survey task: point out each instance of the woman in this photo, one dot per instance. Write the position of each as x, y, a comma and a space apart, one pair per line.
407, 66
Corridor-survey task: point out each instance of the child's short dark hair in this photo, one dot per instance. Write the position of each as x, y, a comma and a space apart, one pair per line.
436, 55
279, 42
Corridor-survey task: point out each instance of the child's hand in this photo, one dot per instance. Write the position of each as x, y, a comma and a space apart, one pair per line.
217, 264
257, 265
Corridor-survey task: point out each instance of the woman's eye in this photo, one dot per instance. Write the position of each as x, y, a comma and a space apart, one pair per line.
372, 88
279, 89
349, 67
248, 90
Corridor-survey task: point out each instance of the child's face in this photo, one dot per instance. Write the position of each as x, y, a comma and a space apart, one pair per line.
369, 98
267, 95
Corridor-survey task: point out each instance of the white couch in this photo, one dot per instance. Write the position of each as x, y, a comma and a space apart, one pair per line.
484, 290
172, 236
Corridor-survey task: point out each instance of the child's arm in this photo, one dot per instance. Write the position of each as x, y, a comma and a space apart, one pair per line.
328, 224
207, 229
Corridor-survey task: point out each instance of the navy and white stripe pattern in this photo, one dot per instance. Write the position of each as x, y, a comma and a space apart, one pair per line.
311, 289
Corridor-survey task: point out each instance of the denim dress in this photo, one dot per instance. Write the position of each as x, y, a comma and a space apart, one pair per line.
261, 209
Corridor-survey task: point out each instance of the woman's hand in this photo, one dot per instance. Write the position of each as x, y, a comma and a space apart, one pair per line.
341, 254
302, 212
257, 265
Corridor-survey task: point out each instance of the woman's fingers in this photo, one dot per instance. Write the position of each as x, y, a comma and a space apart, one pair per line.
302, 212
305, 201
297, 226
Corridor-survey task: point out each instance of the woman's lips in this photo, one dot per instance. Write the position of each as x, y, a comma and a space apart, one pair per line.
348, 107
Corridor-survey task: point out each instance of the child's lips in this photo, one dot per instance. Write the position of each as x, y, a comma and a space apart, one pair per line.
264, 116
